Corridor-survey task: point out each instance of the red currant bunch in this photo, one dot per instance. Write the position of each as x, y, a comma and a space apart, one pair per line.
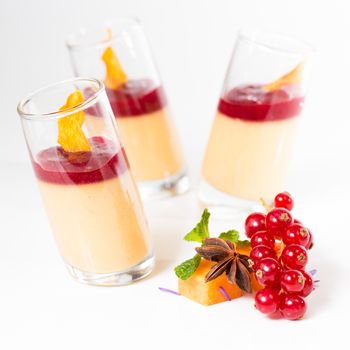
279, 254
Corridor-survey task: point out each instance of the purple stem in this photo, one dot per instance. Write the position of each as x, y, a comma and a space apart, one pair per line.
313, 272
168, 291
224, 293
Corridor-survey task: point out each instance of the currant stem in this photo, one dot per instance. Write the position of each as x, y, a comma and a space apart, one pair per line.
267, 206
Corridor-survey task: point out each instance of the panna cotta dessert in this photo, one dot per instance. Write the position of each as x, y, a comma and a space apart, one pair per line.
88, 191
252, 137
147, 132
251, 140
118, 54
93, 216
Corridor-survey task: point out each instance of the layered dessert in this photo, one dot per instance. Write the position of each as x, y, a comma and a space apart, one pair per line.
252, 137
91, 200
95, 223
148, 134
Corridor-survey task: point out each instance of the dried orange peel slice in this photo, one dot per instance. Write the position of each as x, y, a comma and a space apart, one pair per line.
115, 75
293, 77
70, 134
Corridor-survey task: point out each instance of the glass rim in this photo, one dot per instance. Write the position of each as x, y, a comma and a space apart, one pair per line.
60, 114
82, 31
252, 34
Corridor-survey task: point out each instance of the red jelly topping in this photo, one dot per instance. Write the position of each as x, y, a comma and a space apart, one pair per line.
103, 162
253, 103
135, 98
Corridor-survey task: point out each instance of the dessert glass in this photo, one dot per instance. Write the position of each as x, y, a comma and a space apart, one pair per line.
118, 53
90, 198
253, 132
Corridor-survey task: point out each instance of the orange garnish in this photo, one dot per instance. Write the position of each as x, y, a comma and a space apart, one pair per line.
115, 75
70, 134
293, 77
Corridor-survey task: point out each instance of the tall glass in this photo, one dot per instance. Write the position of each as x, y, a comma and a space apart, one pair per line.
90, 196
253, 132
118, 53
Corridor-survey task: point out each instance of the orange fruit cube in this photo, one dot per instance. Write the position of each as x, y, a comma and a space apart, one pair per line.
196, 289
208, 293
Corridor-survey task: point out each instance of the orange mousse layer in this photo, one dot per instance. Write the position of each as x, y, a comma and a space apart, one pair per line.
149, 136
251, 141
93, 208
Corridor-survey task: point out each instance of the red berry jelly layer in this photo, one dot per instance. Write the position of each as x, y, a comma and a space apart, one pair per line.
54, 165
135, 98
253, 103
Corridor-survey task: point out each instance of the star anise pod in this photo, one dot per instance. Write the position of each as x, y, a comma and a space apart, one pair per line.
237, 266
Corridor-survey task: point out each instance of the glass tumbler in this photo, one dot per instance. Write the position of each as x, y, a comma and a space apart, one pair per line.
88, 191
118, 53
253, 132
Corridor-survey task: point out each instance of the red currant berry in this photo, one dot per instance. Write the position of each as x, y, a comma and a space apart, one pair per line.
254, 222
296, 234
308, 285
267, 300
292, 307
310, 242
292, 281
284, 200
261, 251
262, 238
268, 272
277, 235
278, 219
294, 256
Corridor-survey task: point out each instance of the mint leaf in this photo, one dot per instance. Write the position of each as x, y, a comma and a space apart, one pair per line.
187, 268
243, 244
201, 231
231, 235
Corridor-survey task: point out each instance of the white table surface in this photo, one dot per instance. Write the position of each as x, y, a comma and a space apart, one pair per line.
41, 307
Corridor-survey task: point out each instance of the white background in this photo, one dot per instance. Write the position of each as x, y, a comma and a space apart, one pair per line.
41, 308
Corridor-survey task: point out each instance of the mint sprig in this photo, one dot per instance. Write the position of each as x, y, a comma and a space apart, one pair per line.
201, 231
199, 234
243, 244
232, 236
188, 267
